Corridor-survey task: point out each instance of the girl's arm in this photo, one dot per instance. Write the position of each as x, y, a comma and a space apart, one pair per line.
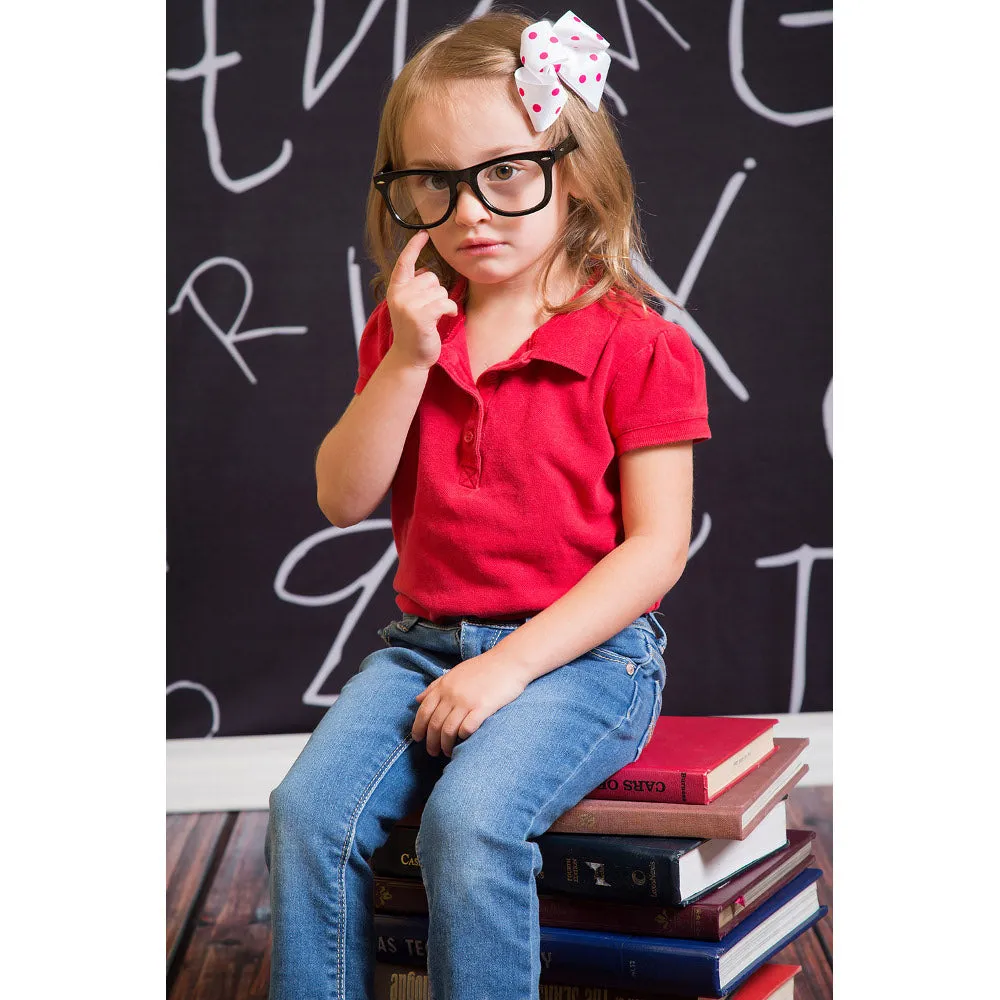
358, 458
656, 485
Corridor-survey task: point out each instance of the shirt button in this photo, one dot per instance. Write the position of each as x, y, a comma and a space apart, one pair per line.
468, 436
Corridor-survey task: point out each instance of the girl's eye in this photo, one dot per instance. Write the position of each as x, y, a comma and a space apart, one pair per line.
436, 182
504, 172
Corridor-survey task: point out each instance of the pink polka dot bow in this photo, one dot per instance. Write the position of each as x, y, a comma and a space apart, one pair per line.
568, 52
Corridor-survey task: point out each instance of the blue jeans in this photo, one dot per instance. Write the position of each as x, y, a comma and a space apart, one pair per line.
360, 772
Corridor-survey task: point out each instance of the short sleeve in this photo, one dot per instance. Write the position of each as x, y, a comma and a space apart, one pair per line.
376, 339
658, 394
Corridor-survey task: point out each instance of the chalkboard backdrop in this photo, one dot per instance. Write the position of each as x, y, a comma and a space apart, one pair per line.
723, 107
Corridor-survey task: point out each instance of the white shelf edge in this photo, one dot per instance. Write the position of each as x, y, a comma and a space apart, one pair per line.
237, 773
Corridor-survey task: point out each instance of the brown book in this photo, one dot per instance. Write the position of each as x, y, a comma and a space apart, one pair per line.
707, 919
732, 815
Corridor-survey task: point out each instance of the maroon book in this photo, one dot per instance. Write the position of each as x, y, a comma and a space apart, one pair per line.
709, 918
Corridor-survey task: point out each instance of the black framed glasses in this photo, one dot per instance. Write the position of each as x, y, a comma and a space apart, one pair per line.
516, 184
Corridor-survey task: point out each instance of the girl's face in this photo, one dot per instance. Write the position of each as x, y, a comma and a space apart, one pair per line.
476, 122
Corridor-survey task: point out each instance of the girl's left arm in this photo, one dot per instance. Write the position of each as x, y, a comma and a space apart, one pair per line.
656, 487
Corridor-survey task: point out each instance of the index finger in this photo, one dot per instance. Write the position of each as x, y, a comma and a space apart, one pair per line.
407, 260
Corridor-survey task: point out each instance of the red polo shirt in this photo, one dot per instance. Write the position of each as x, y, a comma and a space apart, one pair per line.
507, 491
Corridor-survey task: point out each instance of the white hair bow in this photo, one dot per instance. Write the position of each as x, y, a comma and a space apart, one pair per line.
568, 52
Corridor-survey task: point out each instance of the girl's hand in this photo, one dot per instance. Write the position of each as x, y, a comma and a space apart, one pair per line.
417, 300
455, 705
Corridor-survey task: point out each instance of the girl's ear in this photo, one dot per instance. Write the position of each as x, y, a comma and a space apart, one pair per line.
573, 190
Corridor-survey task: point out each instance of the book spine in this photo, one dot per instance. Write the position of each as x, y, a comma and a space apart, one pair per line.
407, 897
650, 819
400, 982
629, 819
571, 863
650, 784
402, 897
606, 870
397, 857
570, 955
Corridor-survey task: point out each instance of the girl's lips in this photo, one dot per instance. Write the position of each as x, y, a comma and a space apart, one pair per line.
482, 248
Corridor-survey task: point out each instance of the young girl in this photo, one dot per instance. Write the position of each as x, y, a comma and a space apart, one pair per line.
534, 419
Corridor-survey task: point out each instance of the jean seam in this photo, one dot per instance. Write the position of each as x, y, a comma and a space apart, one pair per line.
492, 639
345, 858
610, 657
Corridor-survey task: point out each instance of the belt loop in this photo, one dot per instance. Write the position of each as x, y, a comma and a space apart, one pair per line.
659, 629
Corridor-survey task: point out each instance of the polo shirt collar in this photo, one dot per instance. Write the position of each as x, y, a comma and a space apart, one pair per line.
573, 340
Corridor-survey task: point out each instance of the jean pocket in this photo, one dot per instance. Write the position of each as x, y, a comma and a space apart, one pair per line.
632, 647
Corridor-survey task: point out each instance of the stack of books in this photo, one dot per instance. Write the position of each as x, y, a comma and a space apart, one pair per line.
675, 879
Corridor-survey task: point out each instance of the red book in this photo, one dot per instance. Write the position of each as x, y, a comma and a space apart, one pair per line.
692, 759
769, 982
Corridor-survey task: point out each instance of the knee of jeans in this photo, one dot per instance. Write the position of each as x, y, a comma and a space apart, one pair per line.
457, 838
283, 807
295, 812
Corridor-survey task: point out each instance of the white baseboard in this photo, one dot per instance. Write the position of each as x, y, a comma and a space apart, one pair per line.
236, 773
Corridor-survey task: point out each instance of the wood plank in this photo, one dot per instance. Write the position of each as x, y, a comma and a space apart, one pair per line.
812, 809
228, 957
815, 981
192, 840
816, 804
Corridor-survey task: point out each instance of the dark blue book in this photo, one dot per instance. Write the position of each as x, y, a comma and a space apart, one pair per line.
674, 965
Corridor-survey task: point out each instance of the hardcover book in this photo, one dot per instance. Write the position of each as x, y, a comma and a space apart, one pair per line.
734, 814
691, 758
400, 982
671, 870
678, 965
708, 919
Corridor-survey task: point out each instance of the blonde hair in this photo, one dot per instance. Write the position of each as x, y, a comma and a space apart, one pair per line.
601, 233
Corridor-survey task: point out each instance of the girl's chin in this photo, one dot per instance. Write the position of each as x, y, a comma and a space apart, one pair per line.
482, 265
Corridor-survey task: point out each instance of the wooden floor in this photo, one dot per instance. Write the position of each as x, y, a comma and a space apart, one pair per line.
218, 917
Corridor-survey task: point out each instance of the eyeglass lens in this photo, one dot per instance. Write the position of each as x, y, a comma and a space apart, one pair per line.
511, 186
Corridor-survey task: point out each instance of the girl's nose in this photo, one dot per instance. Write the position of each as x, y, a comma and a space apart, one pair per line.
469, 209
